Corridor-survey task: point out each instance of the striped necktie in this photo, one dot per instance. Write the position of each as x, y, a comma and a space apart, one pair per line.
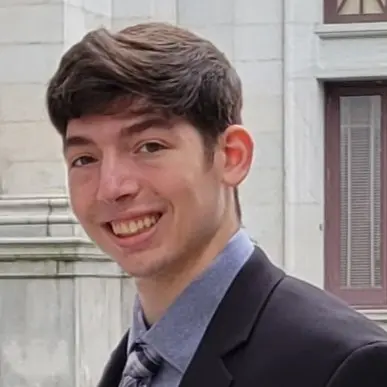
142, 364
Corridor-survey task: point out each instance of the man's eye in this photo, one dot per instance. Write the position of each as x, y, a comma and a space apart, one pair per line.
82, 161
151, 147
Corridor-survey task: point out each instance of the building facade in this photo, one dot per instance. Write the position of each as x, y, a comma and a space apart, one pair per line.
315, 99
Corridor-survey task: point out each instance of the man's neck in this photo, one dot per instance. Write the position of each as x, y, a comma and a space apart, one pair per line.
157, 294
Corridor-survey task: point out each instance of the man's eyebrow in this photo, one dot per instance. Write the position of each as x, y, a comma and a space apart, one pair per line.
75, 141
145, 124
126, 131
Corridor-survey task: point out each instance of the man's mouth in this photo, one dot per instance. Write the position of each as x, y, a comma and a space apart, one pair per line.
124, 228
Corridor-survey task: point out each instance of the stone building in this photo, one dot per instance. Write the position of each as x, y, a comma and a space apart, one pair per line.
316, 199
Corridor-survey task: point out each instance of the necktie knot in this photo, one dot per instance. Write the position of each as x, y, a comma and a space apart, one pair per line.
142, 364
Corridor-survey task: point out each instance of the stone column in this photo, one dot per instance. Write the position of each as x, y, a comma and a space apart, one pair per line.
63, 304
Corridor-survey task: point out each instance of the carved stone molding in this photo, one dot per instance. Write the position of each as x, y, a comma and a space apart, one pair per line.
42, 234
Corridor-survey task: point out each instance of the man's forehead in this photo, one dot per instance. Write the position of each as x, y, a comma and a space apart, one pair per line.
116, 120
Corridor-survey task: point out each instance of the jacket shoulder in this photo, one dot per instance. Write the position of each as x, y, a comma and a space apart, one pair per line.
317, 315
366, 366
306, 334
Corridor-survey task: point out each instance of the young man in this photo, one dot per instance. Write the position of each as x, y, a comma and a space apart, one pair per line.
151, 124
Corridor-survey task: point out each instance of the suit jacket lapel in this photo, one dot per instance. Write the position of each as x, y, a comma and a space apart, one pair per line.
112, 374
233, 322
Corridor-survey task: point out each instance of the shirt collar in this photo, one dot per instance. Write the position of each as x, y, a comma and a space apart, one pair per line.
178, 333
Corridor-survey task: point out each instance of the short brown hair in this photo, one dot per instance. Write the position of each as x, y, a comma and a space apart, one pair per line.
153, 66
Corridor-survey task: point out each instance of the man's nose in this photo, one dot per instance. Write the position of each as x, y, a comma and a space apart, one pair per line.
117, 181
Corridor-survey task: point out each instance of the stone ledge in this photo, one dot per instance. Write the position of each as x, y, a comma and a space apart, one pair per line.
37, 216
378, 315
43, 228
36, 248
53, 268
351, 30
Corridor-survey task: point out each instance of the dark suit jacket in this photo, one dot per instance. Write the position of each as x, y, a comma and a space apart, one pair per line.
272, 330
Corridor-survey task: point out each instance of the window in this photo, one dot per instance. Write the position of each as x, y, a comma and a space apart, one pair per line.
355, 11
356, 193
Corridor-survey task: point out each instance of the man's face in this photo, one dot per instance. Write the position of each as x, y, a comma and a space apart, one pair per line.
143, 189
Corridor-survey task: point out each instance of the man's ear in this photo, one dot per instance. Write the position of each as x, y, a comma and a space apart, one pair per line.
237, 148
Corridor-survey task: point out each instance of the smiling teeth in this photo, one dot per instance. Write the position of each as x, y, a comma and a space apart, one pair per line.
133, 226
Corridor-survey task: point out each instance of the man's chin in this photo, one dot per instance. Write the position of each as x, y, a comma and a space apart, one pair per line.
141, 264
141, 272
